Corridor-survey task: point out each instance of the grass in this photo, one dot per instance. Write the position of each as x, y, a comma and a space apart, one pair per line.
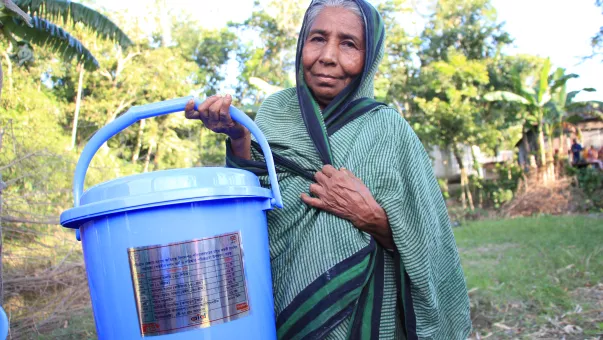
525, 276
525, 273
79, 327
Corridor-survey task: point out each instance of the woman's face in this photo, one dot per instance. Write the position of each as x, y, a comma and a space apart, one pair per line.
333, 53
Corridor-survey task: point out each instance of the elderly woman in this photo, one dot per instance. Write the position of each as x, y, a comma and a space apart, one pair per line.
363, 248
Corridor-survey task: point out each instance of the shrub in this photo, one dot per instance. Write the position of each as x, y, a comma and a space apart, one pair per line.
499, 191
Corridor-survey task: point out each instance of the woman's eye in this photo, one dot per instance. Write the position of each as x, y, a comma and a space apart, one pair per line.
317, 39
349, 44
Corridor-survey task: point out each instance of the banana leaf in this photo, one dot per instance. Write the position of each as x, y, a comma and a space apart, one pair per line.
74, 12
505, 97
46, 34
13, 9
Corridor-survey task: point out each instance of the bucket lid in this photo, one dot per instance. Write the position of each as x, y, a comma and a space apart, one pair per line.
164, 187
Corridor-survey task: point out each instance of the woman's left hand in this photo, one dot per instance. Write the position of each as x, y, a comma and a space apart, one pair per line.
342, 194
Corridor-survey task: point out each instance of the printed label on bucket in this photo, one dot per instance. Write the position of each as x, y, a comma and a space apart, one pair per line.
189, 285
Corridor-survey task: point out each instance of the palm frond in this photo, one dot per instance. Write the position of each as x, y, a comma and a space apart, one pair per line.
572, 95
559, 82
12, 7
46, 34
543, 85
76, 13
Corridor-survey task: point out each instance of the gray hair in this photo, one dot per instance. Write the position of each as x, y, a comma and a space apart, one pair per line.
318, 5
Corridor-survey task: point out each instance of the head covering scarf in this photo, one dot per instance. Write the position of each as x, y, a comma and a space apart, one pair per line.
356, 99
353, 101
345, 286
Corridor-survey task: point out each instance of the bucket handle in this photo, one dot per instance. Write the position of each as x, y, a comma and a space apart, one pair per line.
137, 113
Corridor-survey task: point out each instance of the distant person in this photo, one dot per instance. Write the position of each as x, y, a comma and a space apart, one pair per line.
592, 156
576, 149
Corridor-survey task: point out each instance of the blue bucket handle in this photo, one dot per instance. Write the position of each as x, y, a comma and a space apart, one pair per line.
137, 113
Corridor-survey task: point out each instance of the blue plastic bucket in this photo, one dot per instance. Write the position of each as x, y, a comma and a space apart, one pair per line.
179, 254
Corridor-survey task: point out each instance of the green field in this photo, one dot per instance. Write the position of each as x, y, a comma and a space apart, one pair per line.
535, 274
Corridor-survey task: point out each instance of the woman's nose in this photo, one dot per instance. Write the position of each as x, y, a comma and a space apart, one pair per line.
328, 55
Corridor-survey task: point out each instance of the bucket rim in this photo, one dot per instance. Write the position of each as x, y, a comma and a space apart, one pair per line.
74, 217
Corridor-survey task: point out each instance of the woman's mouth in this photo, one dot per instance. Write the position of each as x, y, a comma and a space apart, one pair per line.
326, 80
326, 76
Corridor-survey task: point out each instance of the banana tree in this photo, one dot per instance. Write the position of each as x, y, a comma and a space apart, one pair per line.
535, 100
30, 21
562, 105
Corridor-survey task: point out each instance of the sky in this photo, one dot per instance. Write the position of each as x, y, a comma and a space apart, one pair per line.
558, 29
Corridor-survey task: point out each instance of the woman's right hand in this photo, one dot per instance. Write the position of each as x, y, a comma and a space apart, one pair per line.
213, 112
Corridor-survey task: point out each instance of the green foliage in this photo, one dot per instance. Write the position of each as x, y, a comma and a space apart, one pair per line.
450, 113
40, 31
468, 27
496, 192
443, 183
395, 75
209, 49
590, 180
69, 11
273, 59
48, 35
36, 117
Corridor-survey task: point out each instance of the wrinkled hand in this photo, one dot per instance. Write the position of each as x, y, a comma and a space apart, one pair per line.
213, 112
342, 194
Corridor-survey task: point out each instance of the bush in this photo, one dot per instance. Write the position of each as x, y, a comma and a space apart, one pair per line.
497, 192
590, 180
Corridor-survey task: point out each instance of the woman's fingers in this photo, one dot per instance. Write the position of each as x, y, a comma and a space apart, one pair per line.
320, 177
225, 108
317, 190
329, 170
189, 110
311, 201
214, 109
207, 103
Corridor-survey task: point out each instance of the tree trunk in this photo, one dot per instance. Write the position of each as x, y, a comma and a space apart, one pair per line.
138, 146
158, 155
541, 149
465, 193
478, 168
527, 149
147, 159
469, 195
78, 101
551, 155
